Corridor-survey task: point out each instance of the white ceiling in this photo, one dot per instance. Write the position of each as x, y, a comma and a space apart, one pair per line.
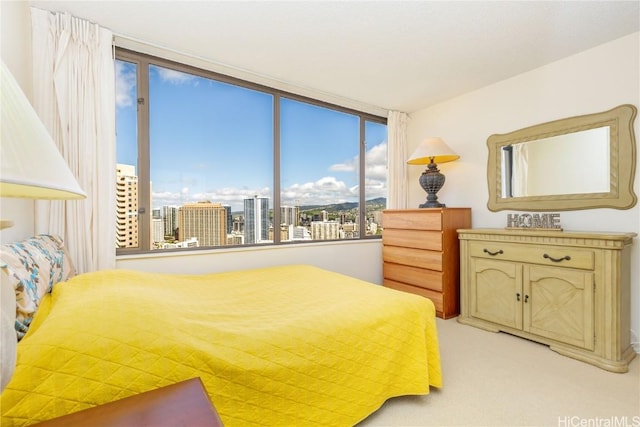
400, 55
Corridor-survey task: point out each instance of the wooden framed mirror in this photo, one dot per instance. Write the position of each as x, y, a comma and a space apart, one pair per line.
581, 162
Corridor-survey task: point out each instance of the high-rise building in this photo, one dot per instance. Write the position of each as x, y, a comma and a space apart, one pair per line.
190, 243
157, 231
301, 233
256, 220
205, 221
229, 219
325, 230
289, 215
377, 217
286, 233
238, 225
350, 230
170, 218
126, 206
235, 239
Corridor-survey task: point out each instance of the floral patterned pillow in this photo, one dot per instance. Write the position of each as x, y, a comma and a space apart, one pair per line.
32, 267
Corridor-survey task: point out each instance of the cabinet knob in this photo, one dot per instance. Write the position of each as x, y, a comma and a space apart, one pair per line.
518, 296
526, 298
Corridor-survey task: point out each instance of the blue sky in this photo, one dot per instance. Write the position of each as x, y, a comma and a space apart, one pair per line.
213, 141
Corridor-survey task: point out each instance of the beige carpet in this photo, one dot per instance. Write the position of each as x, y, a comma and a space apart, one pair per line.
495, 379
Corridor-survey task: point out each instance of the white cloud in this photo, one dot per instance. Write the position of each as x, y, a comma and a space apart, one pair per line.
344, 167
125, 85
173, 76
325, 190
126, 81
228, 196
376, 162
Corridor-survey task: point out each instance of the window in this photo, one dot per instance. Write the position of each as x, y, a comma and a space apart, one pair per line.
213, 161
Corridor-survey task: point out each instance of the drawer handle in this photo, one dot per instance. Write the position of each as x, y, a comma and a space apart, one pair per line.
493, 253
566, 257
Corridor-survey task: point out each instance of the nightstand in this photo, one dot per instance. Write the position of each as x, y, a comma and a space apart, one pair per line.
182, 404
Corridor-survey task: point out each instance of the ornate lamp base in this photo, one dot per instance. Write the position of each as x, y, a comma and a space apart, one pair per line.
432, 181
432, 204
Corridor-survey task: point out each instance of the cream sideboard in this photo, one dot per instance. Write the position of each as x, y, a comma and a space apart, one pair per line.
568, 290
420, 253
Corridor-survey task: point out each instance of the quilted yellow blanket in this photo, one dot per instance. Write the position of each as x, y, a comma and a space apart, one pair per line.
281, 346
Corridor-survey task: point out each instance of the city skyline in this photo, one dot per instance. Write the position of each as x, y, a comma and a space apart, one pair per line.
206, 223
318, 165
211, 224
241, 209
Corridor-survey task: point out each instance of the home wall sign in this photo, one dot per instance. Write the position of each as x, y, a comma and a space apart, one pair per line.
543, 221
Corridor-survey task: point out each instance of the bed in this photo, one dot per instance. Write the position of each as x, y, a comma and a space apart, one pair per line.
285, 345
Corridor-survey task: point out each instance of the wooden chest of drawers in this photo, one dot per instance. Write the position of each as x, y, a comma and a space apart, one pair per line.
420, 254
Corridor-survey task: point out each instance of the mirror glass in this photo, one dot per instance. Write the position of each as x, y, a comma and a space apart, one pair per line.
575, 163
538, 168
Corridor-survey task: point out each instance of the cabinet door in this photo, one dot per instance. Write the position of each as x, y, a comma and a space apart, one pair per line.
496, 291
559, 304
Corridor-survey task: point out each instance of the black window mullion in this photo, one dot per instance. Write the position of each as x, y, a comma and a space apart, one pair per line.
144, 166
276, 169
362, 172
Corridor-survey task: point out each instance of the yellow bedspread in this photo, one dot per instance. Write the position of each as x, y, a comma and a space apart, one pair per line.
282, 346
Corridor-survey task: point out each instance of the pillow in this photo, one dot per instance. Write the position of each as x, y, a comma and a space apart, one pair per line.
8, 341
33, 267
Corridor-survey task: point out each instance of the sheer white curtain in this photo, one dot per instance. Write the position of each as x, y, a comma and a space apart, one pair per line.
397, 160
74, 94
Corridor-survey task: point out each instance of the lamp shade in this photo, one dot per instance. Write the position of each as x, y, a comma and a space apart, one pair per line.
30, 164
432, 148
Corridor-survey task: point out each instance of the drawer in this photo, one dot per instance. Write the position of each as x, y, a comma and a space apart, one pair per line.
419, 239
435, 297
412, 257
413, 220
534, 254
420, 277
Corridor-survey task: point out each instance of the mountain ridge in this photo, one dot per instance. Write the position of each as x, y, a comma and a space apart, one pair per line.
345, 206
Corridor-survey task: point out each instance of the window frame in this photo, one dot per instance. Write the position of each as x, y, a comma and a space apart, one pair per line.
145, 210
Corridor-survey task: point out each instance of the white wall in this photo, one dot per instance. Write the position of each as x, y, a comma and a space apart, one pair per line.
356, 258
15, 35
592, 81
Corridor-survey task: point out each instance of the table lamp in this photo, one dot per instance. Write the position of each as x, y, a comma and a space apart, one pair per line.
430, 152
30, 164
